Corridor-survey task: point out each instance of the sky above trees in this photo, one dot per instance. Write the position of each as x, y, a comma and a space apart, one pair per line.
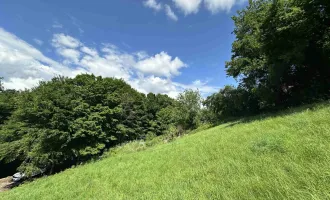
155, 45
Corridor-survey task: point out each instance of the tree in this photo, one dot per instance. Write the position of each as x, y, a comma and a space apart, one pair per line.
232, 102
190, 102
7, 102
281, 52
155, 105
295, 35
1, 85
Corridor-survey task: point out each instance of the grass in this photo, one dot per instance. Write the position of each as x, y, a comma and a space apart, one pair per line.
279, 157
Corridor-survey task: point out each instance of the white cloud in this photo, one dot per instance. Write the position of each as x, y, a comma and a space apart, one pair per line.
152, 4
111, 64
141, 55
21, 83
109, 48
12, 45
220, 5
89, 51
192, 6
170, 13
61, 41
71, 55
188, 6
161, 65
23, 66
155, 84
158, 6
160, 85
39, 42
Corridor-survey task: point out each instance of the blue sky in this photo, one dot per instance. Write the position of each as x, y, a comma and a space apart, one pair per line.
161, 46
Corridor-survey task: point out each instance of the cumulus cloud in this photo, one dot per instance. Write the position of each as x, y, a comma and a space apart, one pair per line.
170, 13
220, 5
21, 83
167, 86
161, 64
141, 55
192, 6
188, 6
110, 64
152, 4
23, 66
70, 55
155, 84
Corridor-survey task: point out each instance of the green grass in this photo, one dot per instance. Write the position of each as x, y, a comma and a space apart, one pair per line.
281, 157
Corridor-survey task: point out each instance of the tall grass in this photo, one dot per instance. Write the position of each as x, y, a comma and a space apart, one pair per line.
280, 157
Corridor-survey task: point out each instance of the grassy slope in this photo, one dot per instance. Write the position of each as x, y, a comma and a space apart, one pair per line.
283, 157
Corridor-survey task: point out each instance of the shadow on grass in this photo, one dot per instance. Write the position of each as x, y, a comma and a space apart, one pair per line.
271, 114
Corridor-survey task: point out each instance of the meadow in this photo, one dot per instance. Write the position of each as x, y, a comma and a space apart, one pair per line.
279, 156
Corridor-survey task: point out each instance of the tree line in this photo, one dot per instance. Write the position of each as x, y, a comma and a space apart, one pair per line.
71, 120
280, 58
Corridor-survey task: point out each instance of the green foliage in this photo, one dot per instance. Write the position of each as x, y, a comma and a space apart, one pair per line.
283, 156
72, 120
280, 57
1, 85
232, 102
293, 40
169, 115
66, 120
189, 108
8, 100
159, 109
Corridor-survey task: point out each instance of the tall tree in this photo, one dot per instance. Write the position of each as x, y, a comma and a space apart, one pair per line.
190, 102
281, 51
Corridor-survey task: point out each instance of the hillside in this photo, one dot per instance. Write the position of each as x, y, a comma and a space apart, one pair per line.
277, 157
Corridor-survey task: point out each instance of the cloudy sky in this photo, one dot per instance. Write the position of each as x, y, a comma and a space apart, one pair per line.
160, 46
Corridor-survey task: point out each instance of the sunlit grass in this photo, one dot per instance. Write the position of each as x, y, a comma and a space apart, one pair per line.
279, 157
